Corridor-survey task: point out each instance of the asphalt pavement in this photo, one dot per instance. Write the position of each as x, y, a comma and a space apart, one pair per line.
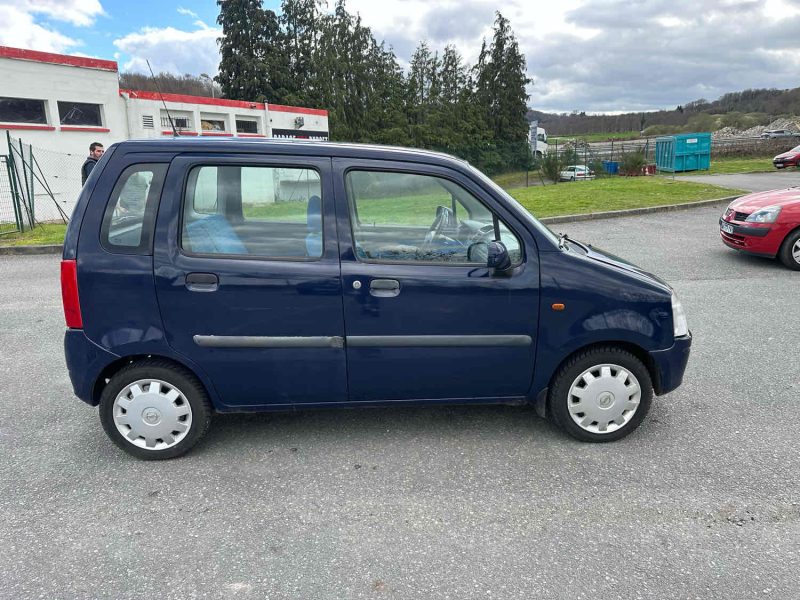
752, 182
702, 501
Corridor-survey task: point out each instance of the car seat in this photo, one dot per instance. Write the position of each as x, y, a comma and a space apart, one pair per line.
314, 225
213, 234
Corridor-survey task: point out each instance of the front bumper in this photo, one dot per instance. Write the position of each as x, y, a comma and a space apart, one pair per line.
763, 241
670, 364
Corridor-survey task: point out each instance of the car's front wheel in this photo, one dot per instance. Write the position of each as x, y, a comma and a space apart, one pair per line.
154, 410
790, 250
601, 394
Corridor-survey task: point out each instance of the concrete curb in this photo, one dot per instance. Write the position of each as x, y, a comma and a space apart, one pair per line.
57, 249
31, 250
636, 211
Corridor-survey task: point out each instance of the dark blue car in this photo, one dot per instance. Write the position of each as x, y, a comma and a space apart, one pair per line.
231, 276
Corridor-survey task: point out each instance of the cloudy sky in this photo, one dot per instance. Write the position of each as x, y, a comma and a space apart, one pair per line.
586, 55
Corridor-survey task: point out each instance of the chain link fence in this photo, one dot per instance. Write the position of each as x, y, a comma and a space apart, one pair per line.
48, 182
10, 218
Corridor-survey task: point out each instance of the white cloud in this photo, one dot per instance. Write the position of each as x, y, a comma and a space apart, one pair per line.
76, 12
598, 55
172, 50
187, 12
21, 31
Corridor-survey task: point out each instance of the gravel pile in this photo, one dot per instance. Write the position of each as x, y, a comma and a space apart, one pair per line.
730, 132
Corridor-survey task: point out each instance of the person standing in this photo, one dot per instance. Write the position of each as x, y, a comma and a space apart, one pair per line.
96, 151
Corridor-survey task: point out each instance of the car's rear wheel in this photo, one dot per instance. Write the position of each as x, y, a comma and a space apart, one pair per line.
154, 410
601, 394
790, 250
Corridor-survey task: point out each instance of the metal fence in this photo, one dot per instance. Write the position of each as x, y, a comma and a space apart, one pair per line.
48, 183
588, 152
10, 217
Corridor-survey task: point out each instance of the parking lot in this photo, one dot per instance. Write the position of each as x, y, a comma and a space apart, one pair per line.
702, 501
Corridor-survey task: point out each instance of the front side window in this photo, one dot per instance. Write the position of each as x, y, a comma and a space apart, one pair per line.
130, 212
22, 110
272, 212
80, 113
419, 218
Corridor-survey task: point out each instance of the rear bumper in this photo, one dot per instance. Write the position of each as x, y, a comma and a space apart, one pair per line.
670, 364
85, 361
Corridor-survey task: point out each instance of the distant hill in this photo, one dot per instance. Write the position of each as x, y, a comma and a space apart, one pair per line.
736, 109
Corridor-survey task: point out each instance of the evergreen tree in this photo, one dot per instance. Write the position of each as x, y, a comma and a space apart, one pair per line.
501, 81
300, 21
250, 50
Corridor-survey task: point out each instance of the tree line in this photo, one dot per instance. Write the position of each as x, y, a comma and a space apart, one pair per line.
307, 56
738, 109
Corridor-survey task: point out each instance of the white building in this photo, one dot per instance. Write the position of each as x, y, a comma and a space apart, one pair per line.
60, 104
63, 103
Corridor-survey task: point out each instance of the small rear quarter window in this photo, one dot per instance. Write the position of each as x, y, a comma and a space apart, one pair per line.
130, 213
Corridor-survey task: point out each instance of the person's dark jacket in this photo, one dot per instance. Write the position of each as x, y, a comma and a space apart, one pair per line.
87, 167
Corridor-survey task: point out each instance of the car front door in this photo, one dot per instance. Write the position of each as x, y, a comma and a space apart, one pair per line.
247, 277
425, 319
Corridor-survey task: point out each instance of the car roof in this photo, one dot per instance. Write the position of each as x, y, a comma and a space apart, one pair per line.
291, 147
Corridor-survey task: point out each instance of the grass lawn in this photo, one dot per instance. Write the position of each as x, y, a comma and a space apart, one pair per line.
594, 137
613, 193
43, 235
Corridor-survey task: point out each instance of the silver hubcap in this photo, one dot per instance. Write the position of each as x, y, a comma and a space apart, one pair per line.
152, 414
796, 252
604, 398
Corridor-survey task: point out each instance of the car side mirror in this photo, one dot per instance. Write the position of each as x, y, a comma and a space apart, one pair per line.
498, 258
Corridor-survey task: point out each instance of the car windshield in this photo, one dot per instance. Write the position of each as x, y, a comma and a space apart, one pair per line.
795, 149
521, 209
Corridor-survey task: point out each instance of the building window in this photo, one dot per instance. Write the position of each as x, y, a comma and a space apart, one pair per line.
22, 110
80, 113
246, 126
147, 122
212, 124
181, 123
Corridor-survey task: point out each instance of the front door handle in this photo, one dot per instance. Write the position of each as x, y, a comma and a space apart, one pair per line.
202, 282
384, 288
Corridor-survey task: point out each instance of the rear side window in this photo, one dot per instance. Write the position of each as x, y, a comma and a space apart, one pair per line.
259, 211
130, 213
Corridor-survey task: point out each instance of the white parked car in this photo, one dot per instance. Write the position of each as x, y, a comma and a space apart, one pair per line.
777, 133
576, 173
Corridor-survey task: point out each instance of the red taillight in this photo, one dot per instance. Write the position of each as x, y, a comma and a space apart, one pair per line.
69, 294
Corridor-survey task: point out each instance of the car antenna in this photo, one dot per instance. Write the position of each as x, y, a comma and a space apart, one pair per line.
160, 95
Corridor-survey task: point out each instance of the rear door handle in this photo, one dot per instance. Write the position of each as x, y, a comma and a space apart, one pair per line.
202, 282
384, 288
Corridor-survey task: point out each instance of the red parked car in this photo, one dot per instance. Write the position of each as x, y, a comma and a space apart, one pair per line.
766, 224
791, 158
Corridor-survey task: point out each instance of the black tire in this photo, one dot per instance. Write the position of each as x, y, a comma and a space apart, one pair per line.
785, 253
178, 378
559, 396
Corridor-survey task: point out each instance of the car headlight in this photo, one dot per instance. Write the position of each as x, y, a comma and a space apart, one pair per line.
764, 215
681, 327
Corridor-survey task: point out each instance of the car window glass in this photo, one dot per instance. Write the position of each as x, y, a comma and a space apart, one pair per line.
129, 217
419, 218
273, 212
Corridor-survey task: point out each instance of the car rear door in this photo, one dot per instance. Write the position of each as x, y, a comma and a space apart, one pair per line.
247, 277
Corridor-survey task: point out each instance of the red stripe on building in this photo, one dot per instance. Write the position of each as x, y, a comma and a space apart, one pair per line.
216, 134
21, 126
93, 129
189, 133
253, 135
298, 109
57, 59
186, 99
